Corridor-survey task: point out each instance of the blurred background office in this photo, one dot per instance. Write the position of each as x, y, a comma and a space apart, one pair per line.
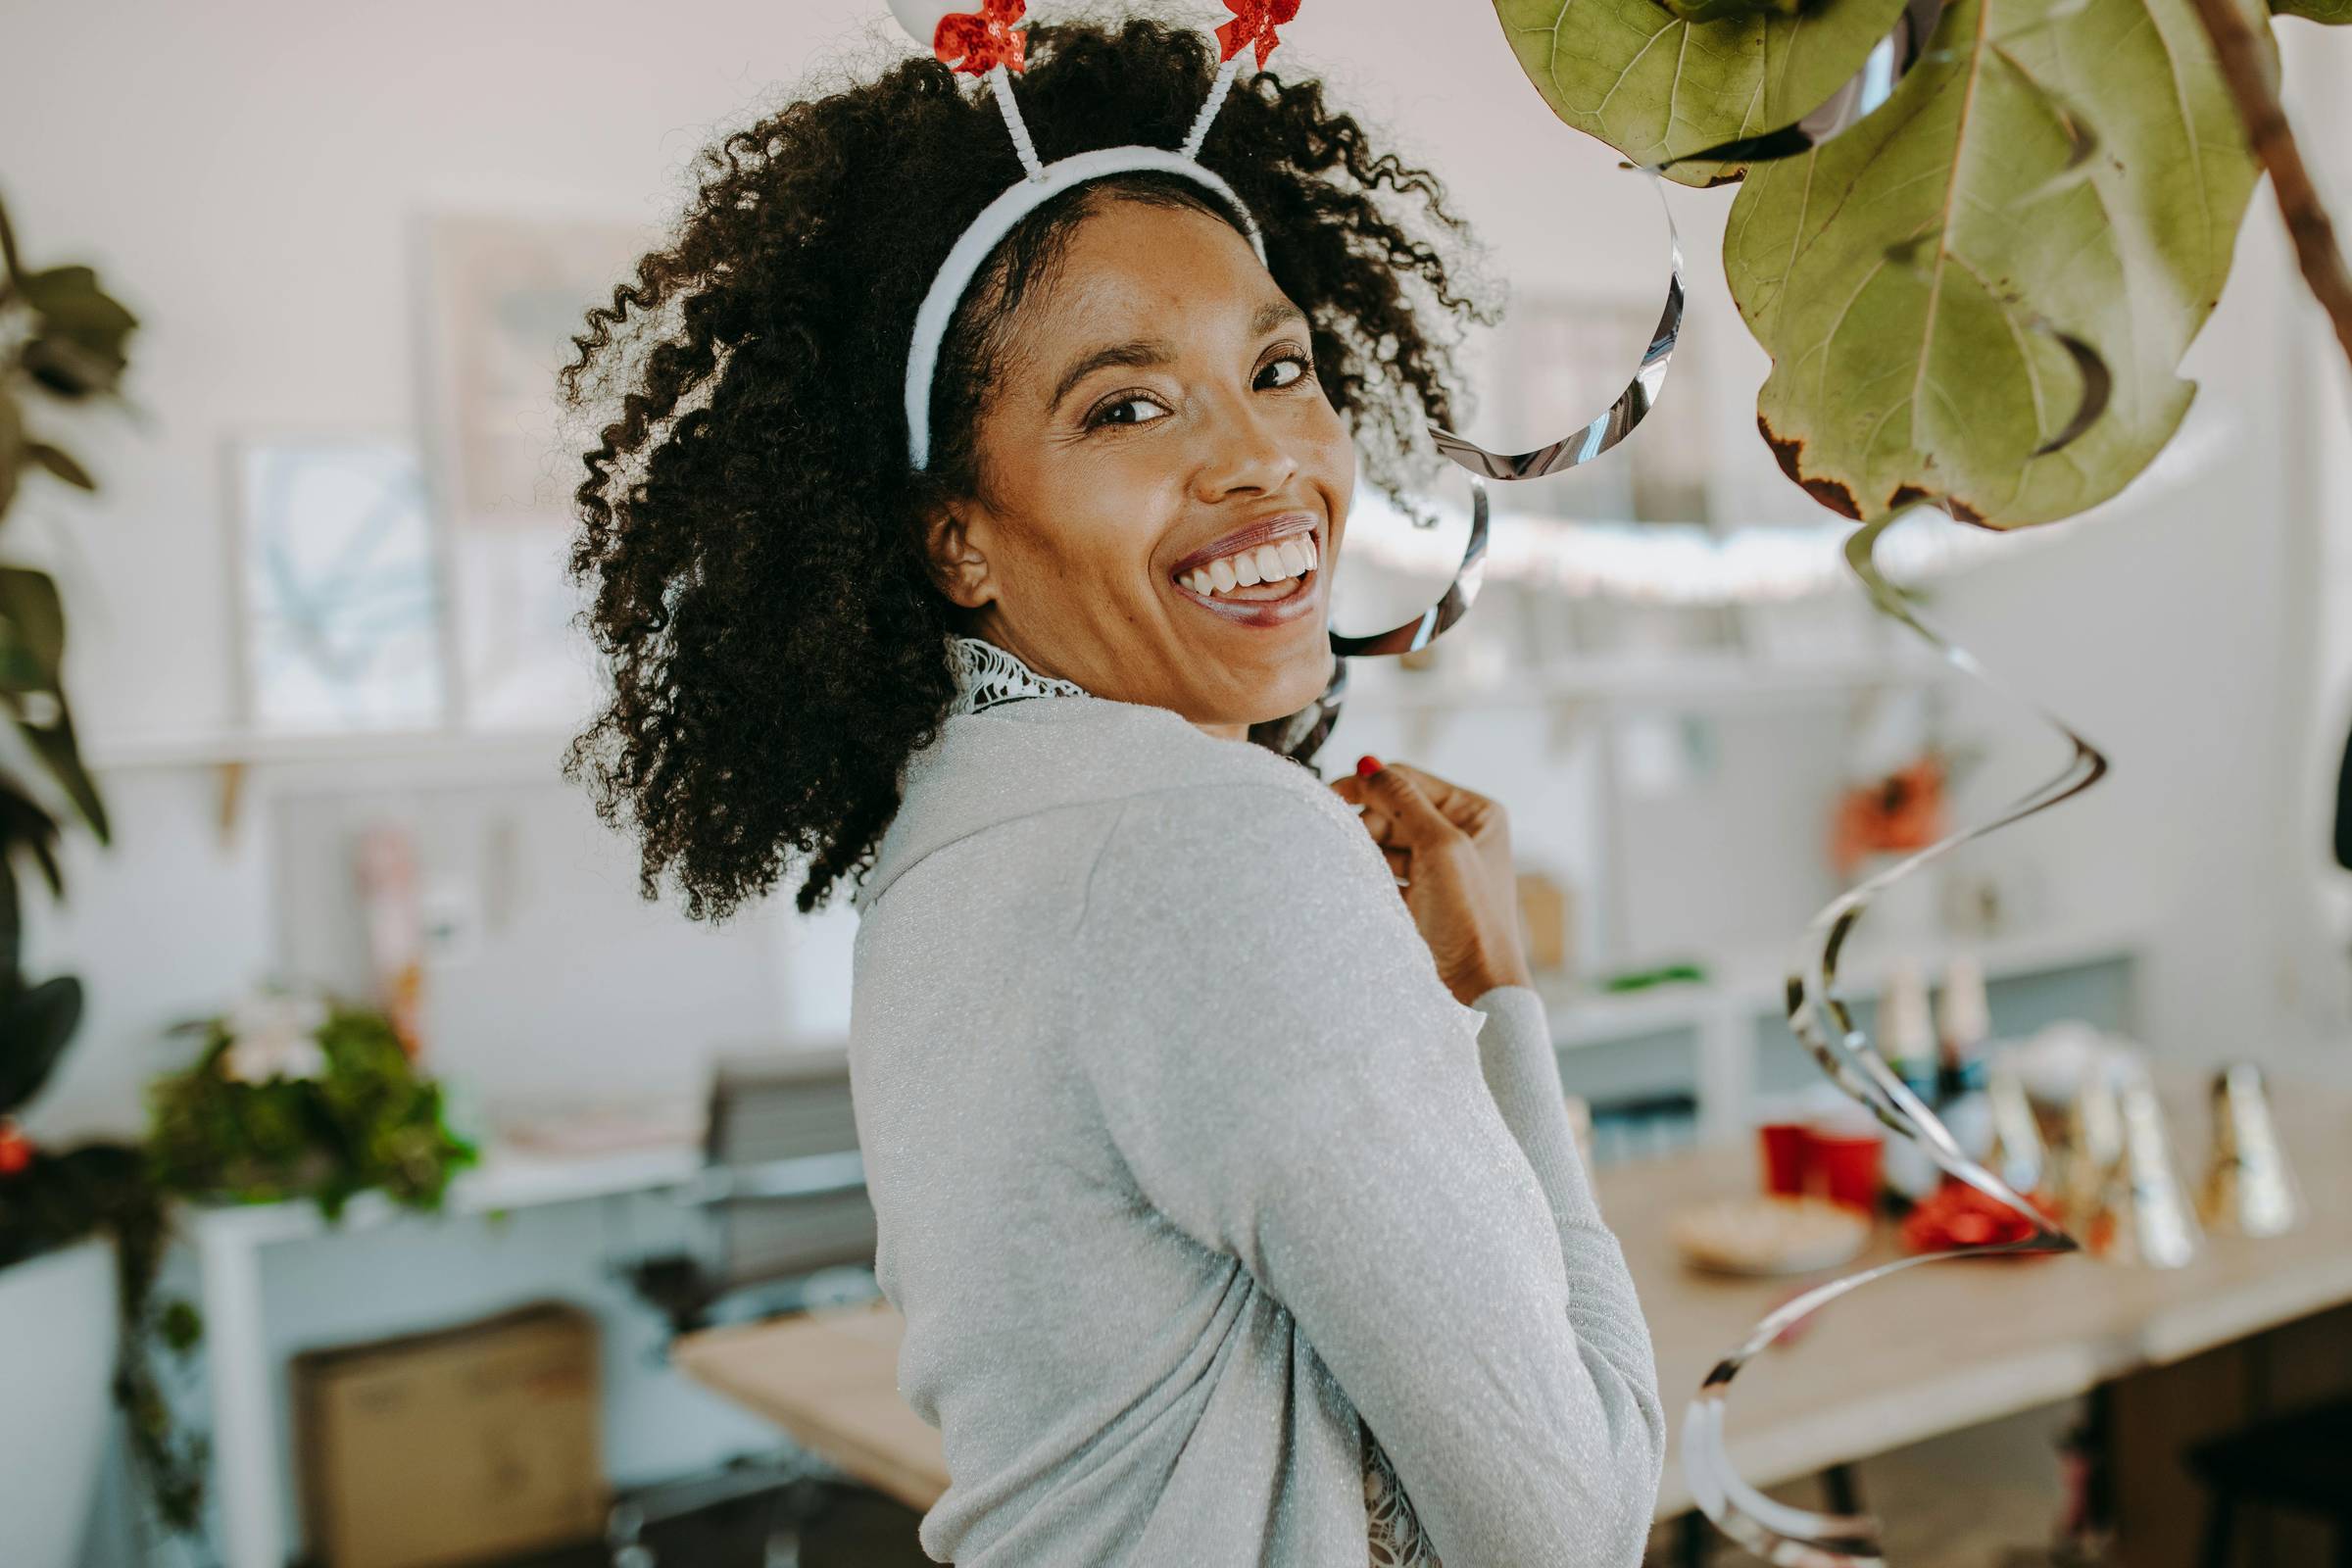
322, 672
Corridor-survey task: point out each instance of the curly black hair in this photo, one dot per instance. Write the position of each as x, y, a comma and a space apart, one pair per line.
750, 525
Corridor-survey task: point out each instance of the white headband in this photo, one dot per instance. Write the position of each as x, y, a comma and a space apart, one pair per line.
981, 42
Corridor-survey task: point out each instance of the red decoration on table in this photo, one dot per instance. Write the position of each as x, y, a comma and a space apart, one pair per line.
1254, 23
976, 43
1960, 1216
16, 1150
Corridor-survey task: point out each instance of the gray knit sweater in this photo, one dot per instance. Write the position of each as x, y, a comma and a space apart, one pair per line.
1185, 1159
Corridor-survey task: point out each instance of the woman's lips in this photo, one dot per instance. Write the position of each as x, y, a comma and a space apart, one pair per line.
1306, 593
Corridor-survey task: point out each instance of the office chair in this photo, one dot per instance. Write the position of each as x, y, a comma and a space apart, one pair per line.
789, 1227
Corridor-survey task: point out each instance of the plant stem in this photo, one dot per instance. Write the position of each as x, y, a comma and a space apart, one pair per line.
2273, 142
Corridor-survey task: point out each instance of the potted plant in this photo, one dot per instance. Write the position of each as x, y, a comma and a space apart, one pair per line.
80, 1227
298, 1095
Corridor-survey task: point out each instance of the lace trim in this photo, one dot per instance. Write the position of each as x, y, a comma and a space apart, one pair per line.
1396, 1537
985, 675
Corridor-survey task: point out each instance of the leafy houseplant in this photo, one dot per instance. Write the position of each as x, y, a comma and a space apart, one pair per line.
62, 345
1977, 295
302, 1096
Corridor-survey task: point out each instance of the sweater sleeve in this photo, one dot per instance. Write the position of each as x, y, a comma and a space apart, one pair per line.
1290, 1084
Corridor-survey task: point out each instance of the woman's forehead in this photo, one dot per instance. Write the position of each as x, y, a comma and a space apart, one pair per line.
1136, 268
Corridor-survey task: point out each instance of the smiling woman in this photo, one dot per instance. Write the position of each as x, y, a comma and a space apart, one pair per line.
1229, 1199
752, 533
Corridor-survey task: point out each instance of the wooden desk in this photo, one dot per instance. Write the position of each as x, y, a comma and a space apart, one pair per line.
1927, 1352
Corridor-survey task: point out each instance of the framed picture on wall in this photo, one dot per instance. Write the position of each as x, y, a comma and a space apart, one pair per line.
338, 587
504, 294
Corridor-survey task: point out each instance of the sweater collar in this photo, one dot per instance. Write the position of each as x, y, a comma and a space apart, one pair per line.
986, 675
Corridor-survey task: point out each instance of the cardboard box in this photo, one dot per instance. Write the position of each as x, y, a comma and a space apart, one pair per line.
450, 1448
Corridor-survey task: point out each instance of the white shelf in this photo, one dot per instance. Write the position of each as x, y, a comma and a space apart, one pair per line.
1694, 682
502, 748
505, 1179
1742, 986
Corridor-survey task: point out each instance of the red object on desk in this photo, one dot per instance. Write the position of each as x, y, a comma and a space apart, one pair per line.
1848, 1163
1841, 1164
1957, 1215
1788, 1150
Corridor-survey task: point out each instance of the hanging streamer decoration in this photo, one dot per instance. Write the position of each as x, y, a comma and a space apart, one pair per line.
1799, 1538
1579, 446
1780, 1534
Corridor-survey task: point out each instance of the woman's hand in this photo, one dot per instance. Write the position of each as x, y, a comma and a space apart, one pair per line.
1453, 851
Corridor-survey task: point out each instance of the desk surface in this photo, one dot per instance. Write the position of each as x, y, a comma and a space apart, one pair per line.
1926, 1351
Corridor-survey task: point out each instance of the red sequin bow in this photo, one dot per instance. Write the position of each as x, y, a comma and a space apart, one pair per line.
1254, 23
978, 43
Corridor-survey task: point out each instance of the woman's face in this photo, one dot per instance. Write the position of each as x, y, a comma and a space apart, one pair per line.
1157, 440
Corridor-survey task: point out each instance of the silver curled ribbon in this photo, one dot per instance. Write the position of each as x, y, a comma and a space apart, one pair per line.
1780, 1533
1800, 1537
1872, 83
1581, 446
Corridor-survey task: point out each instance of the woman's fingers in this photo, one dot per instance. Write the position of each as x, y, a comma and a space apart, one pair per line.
1376, 820
1462, 807
1414, 818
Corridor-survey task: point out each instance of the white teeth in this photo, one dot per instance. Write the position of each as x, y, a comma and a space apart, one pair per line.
1275, 563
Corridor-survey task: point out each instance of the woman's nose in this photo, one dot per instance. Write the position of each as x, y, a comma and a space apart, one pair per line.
1242, 450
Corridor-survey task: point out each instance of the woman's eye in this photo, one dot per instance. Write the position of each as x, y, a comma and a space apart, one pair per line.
1298, 367
1124, 412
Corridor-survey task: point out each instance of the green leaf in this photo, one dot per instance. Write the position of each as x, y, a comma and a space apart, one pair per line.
60, 463
1655, 86
1725, 10
35, 1023
32, 631
2336, 13
32, 643
11, 448
1909, 276
26, 824
55, 745
70, 299
70, 370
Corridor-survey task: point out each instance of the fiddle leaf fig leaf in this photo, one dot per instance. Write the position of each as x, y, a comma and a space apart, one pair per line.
2031, 229
1655, 85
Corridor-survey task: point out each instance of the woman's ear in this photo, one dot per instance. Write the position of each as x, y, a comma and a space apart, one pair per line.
958, 564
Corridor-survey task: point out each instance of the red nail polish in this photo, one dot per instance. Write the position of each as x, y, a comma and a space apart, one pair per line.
1366, 766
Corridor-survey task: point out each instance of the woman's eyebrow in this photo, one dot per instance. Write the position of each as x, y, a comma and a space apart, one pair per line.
1140, 352
1145, 352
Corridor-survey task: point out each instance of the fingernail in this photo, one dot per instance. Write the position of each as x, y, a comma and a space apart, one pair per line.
1366, 766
